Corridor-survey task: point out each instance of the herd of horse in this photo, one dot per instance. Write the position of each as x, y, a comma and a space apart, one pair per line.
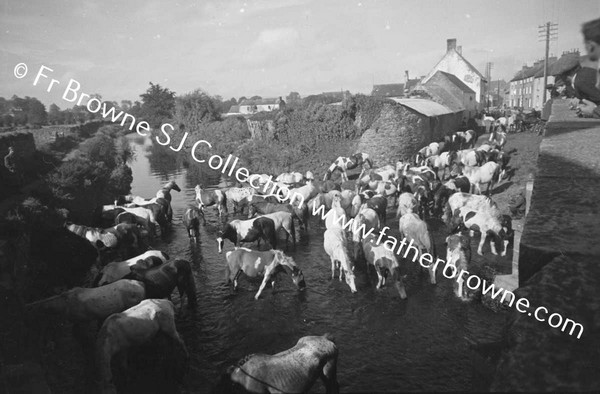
442, 180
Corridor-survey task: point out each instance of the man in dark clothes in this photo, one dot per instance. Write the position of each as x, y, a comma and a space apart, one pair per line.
591, 37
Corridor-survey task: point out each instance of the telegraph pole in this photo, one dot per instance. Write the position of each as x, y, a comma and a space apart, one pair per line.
549, 32
488, 75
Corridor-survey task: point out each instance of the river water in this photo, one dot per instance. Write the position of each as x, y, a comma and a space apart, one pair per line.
385, 343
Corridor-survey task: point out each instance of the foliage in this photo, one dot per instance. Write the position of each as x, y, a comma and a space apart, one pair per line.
55, 115
293, 99
158, 105
195, 108
368, 109
120, 180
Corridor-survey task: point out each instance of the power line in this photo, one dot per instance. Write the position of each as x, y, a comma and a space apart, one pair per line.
547, 32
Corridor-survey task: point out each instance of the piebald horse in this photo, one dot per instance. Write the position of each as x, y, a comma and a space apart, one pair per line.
161, 280
383, 259
83, 304
207, 198
133, 327
344, 164
458, 253
254, 263
165, 192
415, 231
118, 269
239, 196
292, 371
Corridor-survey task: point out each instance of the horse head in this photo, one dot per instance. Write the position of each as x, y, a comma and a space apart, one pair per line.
171, 185
349, 277
298, 278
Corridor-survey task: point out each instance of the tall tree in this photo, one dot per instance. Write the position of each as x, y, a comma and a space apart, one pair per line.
55, 115
126, 105
158, 104
293, 99
194, 108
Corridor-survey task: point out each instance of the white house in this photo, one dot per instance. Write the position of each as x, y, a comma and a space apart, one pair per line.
249, 106
454, 63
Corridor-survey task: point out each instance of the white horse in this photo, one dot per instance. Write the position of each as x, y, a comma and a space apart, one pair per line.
334, 242
133, 327
292, 371
489, 174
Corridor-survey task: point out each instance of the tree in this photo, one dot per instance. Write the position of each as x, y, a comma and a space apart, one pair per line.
55, 115
126, 105
255, 98
158, 105
293, 99
241, 99
194, 108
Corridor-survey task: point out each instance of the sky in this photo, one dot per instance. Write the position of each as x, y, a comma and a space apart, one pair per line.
267, 48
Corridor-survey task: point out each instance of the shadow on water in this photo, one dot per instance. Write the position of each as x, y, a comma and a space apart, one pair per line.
385, 343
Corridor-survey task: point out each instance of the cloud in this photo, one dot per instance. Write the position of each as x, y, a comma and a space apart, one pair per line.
271, 43
276, 38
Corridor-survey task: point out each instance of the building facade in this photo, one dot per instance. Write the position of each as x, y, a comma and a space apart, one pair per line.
454, 63
249, 106
453, 93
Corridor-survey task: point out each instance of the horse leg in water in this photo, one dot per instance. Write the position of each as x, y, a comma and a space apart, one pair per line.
329, 376
332, 267
380, 278
166, 322
290, 230
266, 278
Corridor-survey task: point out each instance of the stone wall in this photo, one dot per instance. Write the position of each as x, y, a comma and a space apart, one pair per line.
539, 358
559, 266
398, 133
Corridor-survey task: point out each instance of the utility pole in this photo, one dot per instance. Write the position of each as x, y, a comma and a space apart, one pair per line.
488, 76
548, 32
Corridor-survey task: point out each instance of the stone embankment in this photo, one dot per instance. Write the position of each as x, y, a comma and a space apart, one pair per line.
559, 265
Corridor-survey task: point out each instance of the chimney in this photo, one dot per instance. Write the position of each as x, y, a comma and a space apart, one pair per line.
451, 44
406, 74
459, 49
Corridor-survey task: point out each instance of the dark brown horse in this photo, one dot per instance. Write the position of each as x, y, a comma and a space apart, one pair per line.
160, 281
191, 220
264, 207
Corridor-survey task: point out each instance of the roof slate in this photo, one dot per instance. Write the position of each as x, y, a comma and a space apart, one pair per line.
388, 90
425, 107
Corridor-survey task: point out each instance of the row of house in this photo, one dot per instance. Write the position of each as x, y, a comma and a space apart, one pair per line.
526, 89
453, 83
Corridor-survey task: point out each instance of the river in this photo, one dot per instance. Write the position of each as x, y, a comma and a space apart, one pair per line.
385, 343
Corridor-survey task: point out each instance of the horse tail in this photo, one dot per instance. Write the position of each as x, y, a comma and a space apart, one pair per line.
227, 273
186, 283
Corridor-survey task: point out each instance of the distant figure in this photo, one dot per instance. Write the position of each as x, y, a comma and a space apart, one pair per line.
10, 161
11, 164
591, 38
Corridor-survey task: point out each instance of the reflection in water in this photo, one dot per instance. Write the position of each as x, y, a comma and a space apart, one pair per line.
386, 344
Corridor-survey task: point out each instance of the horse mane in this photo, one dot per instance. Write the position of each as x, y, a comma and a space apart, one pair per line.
243, 360
329, 336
